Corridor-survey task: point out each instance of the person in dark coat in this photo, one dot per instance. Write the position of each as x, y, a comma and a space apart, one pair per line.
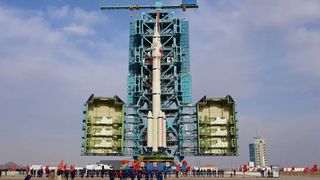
102, 172
139, 175
66, 174
147, 175
28, 177
72, 174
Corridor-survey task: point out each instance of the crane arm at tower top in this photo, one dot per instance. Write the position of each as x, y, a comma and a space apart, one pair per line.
137, 7
157, 5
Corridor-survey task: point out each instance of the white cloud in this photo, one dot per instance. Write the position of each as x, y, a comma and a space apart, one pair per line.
221, 60
79, 30
233, 42
264, 50
281, 14
60, 13
75, 20
84, 17
46, 75
76, 15
304, 52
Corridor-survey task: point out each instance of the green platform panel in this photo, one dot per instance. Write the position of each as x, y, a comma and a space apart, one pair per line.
217, 130
103, 126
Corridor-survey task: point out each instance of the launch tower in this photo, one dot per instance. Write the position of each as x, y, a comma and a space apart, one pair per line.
159, 117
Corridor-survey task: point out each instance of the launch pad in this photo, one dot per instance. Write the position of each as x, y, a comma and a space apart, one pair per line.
156, 158
158, 122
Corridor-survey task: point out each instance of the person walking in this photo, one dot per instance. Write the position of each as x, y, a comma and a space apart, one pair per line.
59, 174
72, 172
66, 174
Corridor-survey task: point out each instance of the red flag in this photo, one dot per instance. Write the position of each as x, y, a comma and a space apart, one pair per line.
14, 168
188, 169
245, 168
46, 169
178, 169
72, 169
184, 162
124, 162
314, 168
136, 165
60, 166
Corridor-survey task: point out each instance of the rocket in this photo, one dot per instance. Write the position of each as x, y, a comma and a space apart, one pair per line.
156, 131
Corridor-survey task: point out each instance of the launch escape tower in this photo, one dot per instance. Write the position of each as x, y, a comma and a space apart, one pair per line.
112, 127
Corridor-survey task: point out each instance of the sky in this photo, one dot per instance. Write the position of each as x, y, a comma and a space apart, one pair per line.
55, 54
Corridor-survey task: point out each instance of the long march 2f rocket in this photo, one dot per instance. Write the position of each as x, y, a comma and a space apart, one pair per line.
156, 119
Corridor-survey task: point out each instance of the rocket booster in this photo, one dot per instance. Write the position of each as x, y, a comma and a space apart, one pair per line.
156, 119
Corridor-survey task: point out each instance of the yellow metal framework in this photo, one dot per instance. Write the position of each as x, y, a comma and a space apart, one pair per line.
217, 129
103, 126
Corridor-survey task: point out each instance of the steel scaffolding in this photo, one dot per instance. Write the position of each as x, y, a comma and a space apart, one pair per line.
176, 101
114, 128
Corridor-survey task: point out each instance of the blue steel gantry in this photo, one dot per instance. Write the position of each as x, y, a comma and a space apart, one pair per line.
208, 128
176, 101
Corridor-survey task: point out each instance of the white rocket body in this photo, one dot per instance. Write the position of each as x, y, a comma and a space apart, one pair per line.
156, 119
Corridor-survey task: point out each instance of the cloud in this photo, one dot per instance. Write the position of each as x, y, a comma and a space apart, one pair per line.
79, 30
46, 76
250, 44
221, 61
265, 54
40, 47
76, 15
304, 44
75, 21
281, 14
60, 13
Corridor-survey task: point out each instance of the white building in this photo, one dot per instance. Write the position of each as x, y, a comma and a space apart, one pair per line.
257, 152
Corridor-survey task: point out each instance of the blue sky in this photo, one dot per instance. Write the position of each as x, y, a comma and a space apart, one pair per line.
54, 54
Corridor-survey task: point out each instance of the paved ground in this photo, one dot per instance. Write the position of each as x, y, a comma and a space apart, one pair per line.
188, 178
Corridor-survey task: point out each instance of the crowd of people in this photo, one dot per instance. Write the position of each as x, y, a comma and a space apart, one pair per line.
208, 173
129, 174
